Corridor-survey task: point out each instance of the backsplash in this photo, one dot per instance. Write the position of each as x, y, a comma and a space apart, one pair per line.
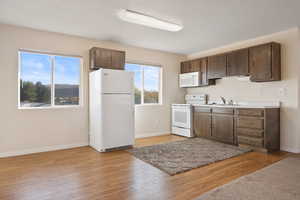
237, 90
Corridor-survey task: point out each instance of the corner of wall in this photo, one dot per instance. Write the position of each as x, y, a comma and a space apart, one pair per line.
298, 136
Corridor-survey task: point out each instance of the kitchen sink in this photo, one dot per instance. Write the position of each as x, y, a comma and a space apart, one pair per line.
223, 105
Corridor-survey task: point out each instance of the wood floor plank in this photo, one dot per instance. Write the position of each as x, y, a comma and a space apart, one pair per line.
84, 174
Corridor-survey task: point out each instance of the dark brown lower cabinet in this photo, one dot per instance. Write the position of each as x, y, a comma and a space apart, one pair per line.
223, 128
202, 123
217, 124
258, 128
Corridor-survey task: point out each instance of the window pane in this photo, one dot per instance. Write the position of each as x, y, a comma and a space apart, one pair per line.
67, 80
151, 84
137, 81
35, 80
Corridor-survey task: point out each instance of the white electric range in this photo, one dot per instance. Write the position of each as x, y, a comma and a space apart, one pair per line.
182, 115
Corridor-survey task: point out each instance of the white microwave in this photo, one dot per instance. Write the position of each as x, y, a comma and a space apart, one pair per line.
189, 80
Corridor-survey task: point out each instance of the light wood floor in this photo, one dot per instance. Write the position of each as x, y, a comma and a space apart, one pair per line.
82, 173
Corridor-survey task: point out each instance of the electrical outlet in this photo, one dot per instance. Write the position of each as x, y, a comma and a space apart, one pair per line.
282, 92
157, 123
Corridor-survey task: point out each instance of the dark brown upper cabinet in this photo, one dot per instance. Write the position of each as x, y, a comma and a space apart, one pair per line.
191, 66
118, 59
185, 67
265, 62
216, 66
238, 63
198, 65
262, 63
195, 65
106, 58
203, 73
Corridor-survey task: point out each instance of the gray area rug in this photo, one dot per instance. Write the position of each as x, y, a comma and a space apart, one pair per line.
184, 155
280, 181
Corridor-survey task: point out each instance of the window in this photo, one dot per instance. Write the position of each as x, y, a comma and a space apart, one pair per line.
147, 81
48, 80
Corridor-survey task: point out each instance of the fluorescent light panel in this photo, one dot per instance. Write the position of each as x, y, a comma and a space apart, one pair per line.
146, 20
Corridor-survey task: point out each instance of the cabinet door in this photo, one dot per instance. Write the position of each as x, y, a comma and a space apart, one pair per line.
222, 128
103, 58
185, 67
118, 59
202, 124
260, 63
203, 71
195, 65
216, 66
238, 63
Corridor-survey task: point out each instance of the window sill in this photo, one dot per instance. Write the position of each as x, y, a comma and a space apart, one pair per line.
50, 108
148, 105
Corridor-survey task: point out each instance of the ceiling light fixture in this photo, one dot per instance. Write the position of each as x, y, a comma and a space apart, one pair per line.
146, 20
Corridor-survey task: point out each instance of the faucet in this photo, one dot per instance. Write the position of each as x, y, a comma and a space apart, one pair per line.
223, 100
231, 102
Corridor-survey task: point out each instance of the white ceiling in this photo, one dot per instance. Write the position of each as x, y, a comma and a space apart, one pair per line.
207, 23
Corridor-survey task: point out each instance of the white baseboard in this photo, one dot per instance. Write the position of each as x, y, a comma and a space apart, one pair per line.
69, 146
41, 149
144, 135
291, 150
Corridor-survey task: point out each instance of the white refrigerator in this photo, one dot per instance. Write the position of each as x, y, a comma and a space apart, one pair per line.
111, 109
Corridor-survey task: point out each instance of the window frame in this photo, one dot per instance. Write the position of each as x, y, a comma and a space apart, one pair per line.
160, 80
52, 55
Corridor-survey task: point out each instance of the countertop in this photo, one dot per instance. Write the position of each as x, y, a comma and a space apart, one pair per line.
243, 105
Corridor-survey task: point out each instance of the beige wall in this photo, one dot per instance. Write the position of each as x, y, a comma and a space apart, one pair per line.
231, 88
298, 139
25, 131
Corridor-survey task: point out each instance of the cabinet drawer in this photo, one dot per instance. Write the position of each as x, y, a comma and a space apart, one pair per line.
251, 112
257, 142
223, 110
249, 132
202, 109
248, 122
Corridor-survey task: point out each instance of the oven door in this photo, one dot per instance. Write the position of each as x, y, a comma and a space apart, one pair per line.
181, 116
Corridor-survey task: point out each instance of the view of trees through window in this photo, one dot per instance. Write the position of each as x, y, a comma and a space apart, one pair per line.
147, 83
41, 74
